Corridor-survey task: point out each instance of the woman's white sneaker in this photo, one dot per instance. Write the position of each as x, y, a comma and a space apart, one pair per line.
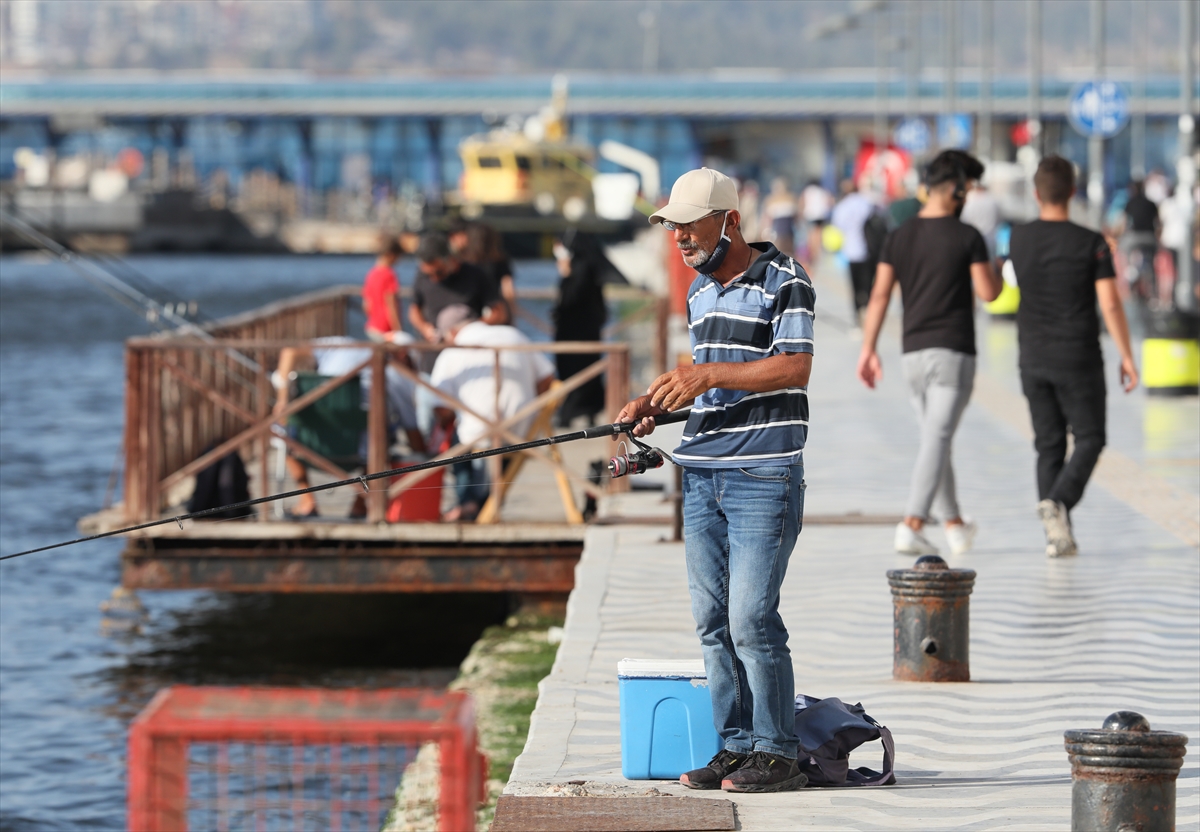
909, 542
961, 537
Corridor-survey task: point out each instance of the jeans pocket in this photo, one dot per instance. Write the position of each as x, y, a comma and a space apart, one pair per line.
768, 474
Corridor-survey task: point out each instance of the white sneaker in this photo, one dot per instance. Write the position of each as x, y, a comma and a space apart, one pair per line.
1060, 542
909, 542
961, 537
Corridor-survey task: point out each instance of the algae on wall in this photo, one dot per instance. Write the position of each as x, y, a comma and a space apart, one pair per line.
501, 673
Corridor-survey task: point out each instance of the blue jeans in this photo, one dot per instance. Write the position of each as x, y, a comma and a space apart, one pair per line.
740, 526
471, 482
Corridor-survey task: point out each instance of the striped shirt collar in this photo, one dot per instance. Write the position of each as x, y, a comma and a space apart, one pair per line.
756, 273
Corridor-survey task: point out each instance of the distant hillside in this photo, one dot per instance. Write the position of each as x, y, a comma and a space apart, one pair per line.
476, 36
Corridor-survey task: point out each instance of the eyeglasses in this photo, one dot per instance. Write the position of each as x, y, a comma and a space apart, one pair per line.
687, 226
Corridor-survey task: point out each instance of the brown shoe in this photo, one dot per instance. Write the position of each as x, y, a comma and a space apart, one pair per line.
711, 775
764, 772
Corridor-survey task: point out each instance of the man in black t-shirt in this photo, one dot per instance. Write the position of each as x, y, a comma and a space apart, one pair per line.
939, 262
444, 280
1062, 270
1141, 215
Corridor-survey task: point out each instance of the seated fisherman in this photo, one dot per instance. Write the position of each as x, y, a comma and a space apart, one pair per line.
469, 376
333, 360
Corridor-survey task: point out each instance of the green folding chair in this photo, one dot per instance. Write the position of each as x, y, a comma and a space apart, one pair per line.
333, 425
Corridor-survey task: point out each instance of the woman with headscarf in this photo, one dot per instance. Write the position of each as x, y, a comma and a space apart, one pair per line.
579, 315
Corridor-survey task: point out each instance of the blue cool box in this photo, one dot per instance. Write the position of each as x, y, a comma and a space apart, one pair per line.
666, 718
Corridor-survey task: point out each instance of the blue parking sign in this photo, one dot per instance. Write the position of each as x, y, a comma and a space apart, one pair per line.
954, 131
1098, 109
912, 135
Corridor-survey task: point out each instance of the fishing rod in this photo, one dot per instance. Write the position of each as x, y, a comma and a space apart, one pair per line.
633, 462
118, 287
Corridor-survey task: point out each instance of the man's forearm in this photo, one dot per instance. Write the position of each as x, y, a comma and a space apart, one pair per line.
873, 319
1113, 312
775, 373
1118, 327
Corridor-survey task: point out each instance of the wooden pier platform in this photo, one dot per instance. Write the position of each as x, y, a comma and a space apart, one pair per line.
192, 399
356, 557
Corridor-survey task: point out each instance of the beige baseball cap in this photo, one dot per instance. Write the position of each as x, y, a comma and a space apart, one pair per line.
697, 194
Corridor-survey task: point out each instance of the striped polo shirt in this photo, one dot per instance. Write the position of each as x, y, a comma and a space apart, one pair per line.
766, 311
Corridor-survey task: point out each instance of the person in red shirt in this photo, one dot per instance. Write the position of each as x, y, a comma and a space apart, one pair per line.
381, 294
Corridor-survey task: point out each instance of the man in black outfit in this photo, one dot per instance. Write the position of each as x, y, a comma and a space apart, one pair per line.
1139, 241
1141, 215
1062, 270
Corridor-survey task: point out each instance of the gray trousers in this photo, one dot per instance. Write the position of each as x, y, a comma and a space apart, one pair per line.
940, 383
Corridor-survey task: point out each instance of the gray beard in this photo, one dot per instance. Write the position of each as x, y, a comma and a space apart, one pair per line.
695, 257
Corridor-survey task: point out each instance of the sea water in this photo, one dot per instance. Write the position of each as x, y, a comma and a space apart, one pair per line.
72, 676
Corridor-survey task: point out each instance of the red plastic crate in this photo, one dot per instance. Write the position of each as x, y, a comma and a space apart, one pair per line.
212, 758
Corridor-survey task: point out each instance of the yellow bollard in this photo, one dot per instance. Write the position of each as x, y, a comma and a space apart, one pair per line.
1171, 366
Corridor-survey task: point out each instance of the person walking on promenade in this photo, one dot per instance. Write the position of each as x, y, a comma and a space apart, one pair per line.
1062, 270
850, 217
750, 313
816, 203
937, 260
779, 214
381, 294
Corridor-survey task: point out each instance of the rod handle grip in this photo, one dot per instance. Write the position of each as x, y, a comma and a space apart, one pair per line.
671, 418
617, 428
674, 416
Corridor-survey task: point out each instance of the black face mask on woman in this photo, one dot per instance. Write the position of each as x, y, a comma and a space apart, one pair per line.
718, 256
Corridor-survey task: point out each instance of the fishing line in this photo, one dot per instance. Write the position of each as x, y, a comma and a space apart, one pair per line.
595, 432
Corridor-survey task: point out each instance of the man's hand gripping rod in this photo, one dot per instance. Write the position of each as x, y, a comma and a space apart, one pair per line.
637, 460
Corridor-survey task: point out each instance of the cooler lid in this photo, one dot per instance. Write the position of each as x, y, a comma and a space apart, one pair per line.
661, 668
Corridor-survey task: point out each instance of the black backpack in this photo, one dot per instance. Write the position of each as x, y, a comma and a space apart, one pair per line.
223, 483
828, 731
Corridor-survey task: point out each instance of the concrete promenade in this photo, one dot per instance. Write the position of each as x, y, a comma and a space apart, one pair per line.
1056, 644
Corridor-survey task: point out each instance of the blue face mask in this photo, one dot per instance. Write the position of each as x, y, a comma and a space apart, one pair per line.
718, 256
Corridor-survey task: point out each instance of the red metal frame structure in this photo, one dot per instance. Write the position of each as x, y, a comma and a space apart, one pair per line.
274, 731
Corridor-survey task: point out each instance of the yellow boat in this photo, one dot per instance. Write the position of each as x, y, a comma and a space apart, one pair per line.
507, 168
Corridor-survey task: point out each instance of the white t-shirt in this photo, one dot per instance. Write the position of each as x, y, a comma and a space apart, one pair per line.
469, 376
401, 391
818, 202
1173, 215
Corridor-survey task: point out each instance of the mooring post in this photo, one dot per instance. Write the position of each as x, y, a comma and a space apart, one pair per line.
1124, 775
931, 615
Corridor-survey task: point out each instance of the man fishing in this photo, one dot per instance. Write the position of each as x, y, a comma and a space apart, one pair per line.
750, 313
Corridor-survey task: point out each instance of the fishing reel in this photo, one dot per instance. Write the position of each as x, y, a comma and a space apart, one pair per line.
638, 460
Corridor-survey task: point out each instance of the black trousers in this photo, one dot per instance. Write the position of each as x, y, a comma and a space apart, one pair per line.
1059, 402
862, 278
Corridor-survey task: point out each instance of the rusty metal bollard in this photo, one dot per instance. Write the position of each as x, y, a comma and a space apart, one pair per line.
1124, 776
931, 611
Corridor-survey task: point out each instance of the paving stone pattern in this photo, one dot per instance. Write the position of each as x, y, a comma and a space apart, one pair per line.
1055, 644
